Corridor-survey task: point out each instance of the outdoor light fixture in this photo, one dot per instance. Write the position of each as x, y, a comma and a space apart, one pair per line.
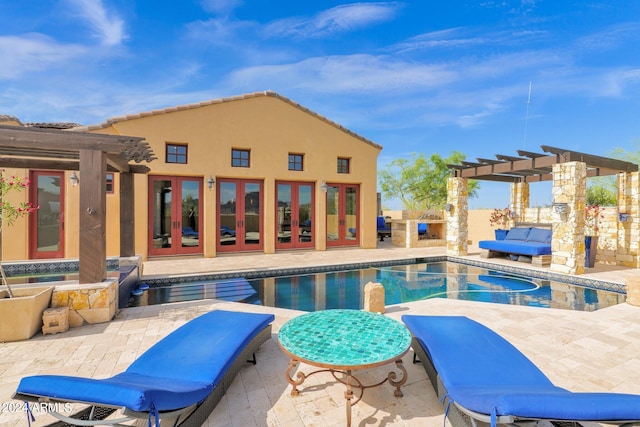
512, 215
561, 208
74, 179
210, 182
448, 207
623, 217
324, 187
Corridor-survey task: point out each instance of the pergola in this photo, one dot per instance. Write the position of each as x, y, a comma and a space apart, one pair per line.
536, 167
93, 155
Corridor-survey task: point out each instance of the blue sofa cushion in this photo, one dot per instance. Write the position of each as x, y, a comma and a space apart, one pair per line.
540, 235
516, 247
518, 233
178, 371
483, 372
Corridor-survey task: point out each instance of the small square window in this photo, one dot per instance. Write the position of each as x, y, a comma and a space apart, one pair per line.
240, 158
296, 162
109, 185
177, 153
344, 165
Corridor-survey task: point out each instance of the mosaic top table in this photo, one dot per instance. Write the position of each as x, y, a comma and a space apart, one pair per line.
342, 341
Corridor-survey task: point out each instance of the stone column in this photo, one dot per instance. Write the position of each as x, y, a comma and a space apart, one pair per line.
627, 250
519, 200
457, 226
567, 246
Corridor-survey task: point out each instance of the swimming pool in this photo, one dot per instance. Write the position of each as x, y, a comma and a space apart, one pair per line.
402, 283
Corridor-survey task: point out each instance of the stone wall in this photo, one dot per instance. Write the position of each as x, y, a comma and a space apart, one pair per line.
89, 303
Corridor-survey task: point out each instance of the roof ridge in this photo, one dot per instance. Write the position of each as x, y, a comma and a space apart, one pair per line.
172, 109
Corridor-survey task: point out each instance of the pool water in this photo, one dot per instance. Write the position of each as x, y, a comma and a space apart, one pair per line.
402, 283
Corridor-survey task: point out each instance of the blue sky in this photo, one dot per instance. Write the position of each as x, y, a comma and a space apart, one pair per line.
414, 76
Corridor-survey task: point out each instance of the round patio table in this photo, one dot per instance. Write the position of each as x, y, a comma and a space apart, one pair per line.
342, 341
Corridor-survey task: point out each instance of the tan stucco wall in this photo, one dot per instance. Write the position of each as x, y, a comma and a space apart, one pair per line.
271, 128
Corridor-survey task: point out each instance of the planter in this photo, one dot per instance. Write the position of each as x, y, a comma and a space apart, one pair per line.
501, 234
21, 316
590, 250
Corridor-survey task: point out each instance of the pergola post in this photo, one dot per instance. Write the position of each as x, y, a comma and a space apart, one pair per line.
457, 215
569, 199
93, 213
127, 234
519, 200
628, 249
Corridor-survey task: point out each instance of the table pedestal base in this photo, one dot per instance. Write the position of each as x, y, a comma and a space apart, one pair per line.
349, 380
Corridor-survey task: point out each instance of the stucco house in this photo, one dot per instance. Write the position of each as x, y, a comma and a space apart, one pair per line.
250, 173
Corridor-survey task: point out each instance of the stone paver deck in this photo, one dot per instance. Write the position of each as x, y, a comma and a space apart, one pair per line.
577, 350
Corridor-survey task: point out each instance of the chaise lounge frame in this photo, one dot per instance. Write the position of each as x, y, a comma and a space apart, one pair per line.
459, 416
191, 416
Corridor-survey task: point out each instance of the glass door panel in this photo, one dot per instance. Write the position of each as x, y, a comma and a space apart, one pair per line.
239, 215
175, 215
294, 207
47, 223
342, 214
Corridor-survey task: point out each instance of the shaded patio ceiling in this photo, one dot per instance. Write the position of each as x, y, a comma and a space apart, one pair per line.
536, 167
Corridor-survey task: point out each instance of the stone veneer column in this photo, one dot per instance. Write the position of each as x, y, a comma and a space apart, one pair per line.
627, 250
457, 224
519, 200
567, 246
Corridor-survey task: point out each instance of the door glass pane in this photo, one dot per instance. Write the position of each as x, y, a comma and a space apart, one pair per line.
351, 210
304, 213
333, 210
48, 216
228, 213
190, 213
283, 217
162, 213
252, 214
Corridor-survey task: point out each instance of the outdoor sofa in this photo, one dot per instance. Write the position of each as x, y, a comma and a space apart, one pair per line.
179, 380
482, 379
534, 242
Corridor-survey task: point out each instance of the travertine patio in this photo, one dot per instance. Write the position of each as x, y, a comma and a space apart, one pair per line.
578, 350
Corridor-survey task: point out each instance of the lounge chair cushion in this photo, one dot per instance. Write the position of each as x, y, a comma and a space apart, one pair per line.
518, 233
516, 247
180, 370
483, 372
539, 235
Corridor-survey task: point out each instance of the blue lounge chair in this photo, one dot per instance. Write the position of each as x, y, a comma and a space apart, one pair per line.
483, 379
383, 229
422, 230
179, 380
190, 232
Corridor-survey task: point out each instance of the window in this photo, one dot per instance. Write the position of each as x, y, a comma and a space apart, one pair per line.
109, 185
240, 158
296, 162
343, 165
177, 153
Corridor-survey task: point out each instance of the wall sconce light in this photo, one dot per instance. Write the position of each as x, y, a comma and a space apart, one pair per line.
323, 187
448, 207
512, 215
210, 182
623, 217
74, 179
561, 208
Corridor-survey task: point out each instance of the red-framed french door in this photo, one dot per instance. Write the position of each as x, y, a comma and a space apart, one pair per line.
240, 215
175, 224
46, 225
294, 209
343, 214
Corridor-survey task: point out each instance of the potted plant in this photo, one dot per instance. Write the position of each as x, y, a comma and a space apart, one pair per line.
20, 309
500, 218
592, 214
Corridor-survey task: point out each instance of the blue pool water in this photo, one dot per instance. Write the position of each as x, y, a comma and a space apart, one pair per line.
402, 283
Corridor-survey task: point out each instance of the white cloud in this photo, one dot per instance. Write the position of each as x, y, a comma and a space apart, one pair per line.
108, 28
33, 52
339, 19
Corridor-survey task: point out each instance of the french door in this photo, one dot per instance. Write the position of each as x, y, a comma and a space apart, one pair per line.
294, 209
175, 224
343, 214
240, 215
46, 225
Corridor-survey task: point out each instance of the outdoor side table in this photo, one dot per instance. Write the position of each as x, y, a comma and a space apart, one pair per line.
342, 341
